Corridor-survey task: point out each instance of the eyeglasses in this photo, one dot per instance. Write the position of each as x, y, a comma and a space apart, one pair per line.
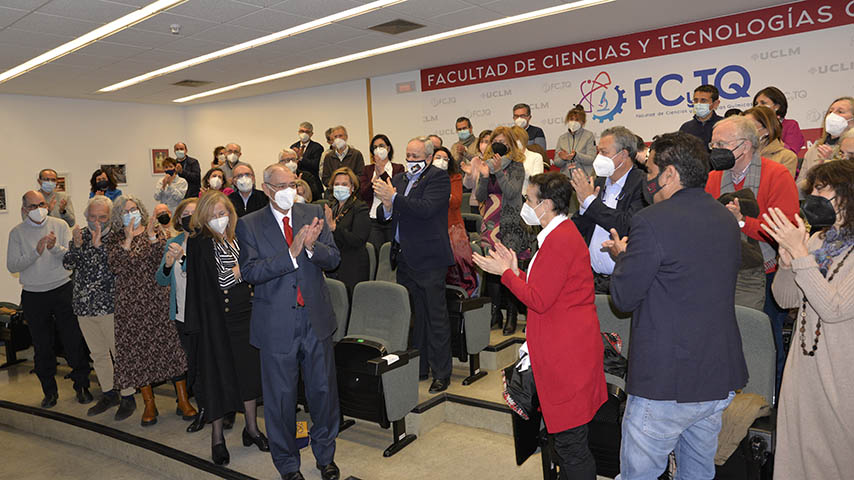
30, 208
724, 144
280, 186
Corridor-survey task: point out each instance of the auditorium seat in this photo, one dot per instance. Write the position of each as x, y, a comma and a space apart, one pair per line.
472, 222
372, 261
612, 320
384, 271
340, 306
470, 319
377, 375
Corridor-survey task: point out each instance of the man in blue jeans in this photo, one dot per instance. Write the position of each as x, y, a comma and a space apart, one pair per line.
678, 278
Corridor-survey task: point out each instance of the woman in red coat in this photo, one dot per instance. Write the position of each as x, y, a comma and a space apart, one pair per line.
564, 342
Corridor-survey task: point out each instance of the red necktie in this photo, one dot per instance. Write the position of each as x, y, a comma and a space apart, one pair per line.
289, 236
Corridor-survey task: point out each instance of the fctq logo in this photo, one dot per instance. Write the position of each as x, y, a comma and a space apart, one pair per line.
738, 86
436, 101
553, 86
776, 54
608, 102
480, 113
832, 68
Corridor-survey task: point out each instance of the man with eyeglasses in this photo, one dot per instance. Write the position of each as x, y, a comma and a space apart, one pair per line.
246, 198
35, 251
284, 250
58, 203
737, 140
232, 152
308, 151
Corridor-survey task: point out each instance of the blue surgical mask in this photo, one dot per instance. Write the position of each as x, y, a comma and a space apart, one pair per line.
464, 134
48, 186
701, 109
133, 216
341, 192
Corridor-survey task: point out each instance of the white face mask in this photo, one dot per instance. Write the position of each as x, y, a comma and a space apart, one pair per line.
292, 166
285, 197
220, 158
415, 167
834, 124
529, 214
244, 184
381, 153
520, 122
38, 215
232, 157
702, 109
341, 192
218, 225
215, 182
180, 154
603, 166
48, 186
440, 163
339, 143
573, 125
303, 137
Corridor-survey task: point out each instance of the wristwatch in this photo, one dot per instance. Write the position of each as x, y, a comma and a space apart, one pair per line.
741, 224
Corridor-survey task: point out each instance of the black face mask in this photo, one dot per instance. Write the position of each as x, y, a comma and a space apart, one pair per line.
499, 148
721, 159
818, 211
102, 185
163, 218
185, 223
652, 186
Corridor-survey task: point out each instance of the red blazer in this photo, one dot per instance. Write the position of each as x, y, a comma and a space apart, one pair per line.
366, 190
564, 341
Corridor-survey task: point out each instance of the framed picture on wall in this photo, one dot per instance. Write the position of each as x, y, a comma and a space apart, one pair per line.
118, 171
157, 157
3, 208
62, 182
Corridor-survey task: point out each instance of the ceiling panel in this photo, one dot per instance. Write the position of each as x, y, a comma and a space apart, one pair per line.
8, 16
132, 3
262, 3
218, 11
230, 34
161, 23
55, 25
89, 10
514, 7
331, 34
43, 41
467, 17
194, 47
85, 61
28, 5
316, 8
270, 20
142, 38
113, 50
161, 57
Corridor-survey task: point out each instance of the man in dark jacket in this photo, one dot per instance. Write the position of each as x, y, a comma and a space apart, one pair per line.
308, 151
678, 278
188, 168
416, 203
246, 198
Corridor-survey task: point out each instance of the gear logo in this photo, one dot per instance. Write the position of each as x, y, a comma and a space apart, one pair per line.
608, 102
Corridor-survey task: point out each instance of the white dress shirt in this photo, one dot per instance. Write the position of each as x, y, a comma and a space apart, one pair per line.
376, 203
600, 259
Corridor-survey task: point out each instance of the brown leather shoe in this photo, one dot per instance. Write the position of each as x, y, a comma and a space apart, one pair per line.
149, 415
185, 409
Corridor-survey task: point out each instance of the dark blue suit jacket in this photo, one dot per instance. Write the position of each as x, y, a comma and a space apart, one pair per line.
422, 219
266, 263
678, 277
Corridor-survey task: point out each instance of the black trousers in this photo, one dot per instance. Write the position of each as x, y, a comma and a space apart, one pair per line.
601, 283
573, 455
280, 374
432, 332
45, 311
380, 234
190, 343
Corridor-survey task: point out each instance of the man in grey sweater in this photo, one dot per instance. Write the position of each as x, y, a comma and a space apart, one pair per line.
35, 252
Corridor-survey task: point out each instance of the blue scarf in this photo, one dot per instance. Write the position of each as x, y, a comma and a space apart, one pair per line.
836, 241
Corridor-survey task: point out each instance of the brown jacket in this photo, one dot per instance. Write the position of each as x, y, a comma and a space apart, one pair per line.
779, 153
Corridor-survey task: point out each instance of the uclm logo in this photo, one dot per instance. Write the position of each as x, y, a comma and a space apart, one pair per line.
600, 98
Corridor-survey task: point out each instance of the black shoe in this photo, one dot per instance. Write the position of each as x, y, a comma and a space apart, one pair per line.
439, 385
198, 423
49, 400
228, 420
127, 406
329, 472
293, 476
106, 401
220, 454
84, 396
421, 378
510, 326
497, 319
260, 441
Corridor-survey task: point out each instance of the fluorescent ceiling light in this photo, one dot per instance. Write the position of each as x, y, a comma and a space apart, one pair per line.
401, 46
273, 37
98, 34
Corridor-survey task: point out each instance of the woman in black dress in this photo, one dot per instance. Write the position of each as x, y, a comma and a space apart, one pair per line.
347, 217
219, 307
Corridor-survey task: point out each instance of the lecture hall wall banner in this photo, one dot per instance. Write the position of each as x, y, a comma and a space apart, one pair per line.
645, 80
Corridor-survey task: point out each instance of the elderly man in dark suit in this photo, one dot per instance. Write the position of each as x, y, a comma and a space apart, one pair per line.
678, 278
284, 249
610, 200
416, 202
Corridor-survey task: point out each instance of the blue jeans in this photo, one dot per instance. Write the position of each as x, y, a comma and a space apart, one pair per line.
654, 428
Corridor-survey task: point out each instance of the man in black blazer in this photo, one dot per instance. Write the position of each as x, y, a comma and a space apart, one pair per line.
308, 151
608, 201
678, 278
284, 249
416, 203
189, 169
245, 197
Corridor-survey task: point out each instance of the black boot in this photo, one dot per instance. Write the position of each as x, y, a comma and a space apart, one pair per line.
127, 406
510, 326
198, 422
497, 318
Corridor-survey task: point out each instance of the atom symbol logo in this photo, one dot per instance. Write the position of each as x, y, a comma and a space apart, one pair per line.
599, 88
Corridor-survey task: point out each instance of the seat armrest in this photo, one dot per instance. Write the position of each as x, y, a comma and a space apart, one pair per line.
468, 304
378, 366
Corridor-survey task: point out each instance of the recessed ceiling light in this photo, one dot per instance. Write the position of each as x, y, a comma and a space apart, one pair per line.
99, 33
545, 12
273, 37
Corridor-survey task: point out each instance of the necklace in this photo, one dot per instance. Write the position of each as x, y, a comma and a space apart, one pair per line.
803, 328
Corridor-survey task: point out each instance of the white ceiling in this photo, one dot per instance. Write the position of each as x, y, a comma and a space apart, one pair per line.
31, 27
